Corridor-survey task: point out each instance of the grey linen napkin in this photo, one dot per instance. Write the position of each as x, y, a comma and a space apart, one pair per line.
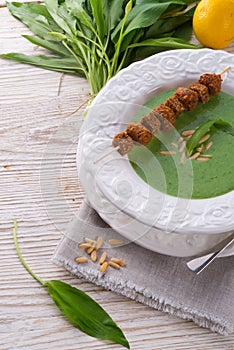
159, 281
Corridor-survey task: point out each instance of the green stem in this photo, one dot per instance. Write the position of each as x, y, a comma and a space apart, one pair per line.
23, 262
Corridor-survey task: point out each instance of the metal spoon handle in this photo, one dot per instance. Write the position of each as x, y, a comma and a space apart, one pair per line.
197, 265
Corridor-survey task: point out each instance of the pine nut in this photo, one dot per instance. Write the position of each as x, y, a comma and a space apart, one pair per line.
114, 265
204, 138
115, 241
94, 255
90, 241
102, 258
187, 132
174, 144
183, 158
195, 155
208, 145
167, 152
104, 267
90, 250
82, 259
99, 243
118, 261
200, 159
182, 147
206, 156
199, 149
84, 245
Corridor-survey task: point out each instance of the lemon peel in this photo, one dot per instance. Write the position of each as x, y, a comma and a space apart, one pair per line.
213, 23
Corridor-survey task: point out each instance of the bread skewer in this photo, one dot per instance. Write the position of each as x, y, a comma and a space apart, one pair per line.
162, 117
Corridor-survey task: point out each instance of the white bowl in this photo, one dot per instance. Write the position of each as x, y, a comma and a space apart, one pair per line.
166, 224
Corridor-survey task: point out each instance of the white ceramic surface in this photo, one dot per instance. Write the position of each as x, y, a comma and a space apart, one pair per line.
113, 180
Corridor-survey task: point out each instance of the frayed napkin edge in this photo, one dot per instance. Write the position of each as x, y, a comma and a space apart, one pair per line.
130, 290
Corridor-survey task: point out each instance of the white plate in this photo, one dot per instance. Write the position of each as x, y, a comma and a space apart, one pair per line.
114, 177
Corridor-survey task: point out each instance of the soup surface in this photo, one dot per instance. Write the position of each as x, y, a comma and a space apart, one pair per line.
192, 179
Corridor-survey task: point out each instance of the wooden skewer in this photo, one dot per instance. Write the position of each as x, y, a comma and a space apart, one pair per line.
106, 155
118, 147
225, 70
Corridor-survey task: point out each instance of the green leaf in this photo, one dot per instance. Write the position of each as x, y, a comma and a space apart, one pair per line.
169, 42
35, 17
84, 313
49, 45
58, 13
98, 15
167, 25
204, 129
114, 10
83, 20
144, 15
68, 65
184, 31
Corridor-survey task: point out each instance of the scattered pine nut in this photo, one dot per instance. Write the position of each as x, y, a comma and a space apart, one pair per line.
204, 138
206, 155
201, 159
82, 259
183, 157
188, 137
102, 258
104, 266
84, 245
182, 147
99, 242
187, 132
175, 145
113, 264
94, 255
118, 261
90, 250
199, 149
208, 145
115, 241
180, 139
91, 241
195, 155
167, 152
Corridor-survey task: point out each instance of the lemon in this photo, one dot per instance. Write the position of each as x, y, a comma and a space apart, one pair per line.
213, 23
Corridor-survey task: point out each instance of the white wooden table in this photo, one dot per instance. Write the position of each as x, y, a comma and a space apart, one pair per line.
38, 135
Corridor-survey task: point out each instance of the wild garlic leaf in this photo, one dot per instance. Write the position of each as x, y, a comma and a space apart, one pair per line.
113, 10
184, 32
204, 129
170, 24
67, 65
97, 34
83, 20
143, 15
59, 16
99, 18
84, 313
35, 17
169, 42
53, 46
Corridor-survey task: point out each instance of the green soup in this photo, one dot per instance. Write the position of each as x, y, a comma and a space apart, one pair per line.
193, 179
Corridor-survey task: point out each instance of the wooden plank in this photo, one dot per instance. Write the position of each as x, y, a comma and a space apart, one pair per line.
38, 136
